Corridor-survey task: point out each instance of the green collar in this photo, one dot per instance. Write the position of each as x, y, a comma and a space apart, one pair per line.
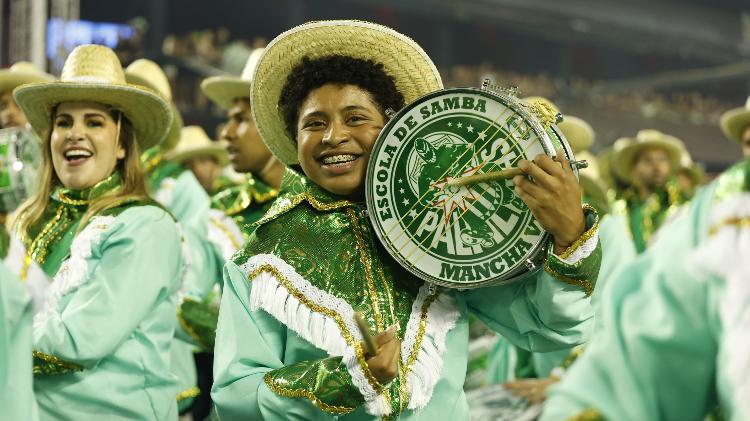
296, 188
84, 196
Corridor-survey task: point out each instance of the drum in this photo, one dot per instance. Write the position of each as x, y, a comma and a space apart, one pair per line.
459, 236
20, 159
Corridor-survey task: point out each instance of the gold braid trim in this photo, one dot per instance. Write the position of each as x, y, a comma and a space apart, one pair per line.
585, 236
588, 414
188, 393
572, 357
224, 230
368, 269
587, 286
55, 361
296, 200
302, 393
420, 334
313, 306
735, 222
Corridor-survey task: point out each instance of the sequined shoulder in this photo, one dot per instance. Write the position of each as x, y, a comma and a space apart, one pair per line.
733, 181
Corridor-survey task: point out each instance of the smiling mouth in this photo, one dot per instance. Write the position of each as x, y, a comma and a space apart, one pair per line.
338, 160
77, 156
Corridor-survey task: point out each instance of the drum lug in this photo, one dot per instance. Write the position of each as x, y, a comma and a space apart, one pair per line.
530, 265
431, 289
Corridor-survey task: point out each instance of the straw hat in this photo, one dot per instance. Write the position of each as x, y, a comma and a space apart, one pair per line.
590, 180
734, 121
21, 73
578, 133
144, 72
691, 168
194, 142
626, 150
413, 71
93, 73
224, 89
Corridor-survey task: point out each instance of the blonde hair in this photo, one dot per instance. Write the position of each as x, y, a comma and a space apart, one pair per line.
133, 186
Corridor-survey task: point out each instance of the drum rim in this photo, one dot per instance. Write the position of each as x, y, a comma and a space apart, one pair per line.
513, 273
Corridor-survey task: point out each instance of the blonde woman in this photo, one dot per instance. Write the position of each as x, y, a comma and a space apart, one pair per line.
102, 334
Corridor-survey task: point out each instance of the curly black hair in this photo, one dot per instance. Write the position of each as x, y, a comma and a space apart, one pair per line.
311, 74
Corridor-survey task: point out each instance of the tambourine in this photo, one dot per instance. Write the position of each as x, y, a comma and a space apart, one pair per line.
433, 193
20, 159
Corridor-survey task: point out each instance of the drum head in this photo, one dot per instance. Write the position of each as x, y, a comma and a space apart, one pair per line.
467, 236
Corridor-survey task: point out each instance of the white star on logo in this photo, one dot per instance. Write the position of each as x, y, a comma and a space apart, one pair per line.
401, 191
400, 180
459, 125
450, 124
406, 202
413, 213
470, 128
481, 136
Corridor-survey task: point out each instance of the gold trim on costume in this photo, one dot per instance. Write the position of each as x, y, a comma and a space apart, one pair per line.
587, 286
368, 269
184, 324
588, 414
301, 393
188, 393
224, 230
586, 236
51, 359
736, 222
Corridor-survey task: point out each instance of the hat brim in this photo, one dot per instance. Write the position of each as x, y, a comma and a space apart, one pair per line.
11, 80
217, 152
173, 136
147, 111
403, 59
623, 161
594, 189
734, 122
223, 90
577, 132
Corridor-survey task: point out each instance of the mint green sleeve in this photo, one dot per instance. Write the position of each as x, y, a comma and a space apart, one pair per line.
655, 356
132, 267
549, 309
16, 389
249, 358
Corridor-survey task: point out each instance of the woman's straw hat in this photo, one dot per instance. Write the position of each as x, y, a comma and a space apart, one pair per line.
413, 71
194, 142
579, 134
144, 72
92, 73
626, 150
734, 121
223, 90
21, 73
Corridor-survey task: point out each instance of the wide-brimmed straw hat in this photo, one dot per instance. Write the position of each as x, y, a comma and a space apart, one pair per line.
626, 150
223, 90
734, 121
402, 58
194, 142
92, 73
579, 134
144, 72
21, 73
590, 180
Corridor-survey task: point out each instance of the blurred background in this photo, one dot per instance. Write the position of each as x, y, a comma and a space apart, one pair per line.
620, 65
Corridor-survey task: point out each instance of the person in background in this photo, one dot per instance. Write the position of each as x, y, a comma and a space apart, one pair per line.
204, 157
735, 124
18, 74
104, 325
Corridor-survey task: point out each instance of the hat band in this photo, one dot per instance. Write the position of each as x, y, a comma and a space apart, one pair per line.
91, 79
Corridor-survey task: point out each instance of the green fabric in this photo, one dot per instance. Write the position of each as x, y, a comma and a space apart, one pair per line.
200, 319
16, 389
117, 323
246, 203
646, 216
326, 240
658, 354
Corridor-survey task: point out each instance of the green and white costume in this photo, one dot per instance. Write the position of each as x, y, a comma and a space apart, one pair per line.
102, 336
674, 341
287, 346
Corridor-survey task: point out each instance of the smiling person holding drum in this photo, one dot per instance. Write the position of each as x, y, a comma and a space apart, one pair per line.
288, 345
103, 326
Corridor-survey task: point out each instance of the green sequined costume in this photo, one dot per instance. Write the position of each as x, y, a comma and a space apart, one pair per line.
287, 345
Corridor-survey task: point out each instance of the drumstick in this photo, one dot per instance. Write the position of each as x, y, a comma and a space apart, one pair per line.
503, 174
370, 346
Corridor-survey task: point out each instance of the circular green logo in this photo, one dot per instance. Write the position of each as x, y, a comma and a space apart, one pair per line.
446, 233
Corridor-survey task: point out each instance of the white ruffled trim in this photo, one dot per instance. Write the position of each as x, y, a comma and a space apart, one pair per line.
36, 281
219, 236
441, 318
270, 295
726, 253
584, 250
165, 193
73, 271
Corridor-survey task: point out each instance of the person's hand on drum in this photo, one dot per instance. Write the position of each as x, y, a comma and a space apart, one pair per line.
552, 193
384, 364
